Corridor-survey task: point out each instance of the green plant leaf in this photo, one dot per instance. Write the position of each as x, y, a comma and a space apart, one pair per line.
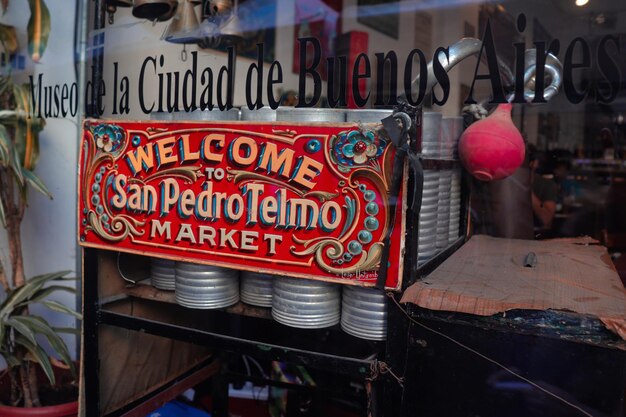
45, 292
3, 220
58, 307
68, 330
5, 146
41, 326
8, 38
36, 182
16, 166
11, 360
38, 29
21, 328
39, 355
19, 295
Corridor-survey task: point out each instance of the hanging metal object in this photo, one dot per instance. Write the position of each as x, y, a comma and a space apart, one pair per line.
364, 312
120, 3
231, 32
111, 9
213, 9
183, 29
154, 10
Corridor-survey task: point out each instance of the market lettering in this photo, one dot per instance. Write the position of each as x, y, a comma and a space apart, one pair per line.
243, 151
244, 240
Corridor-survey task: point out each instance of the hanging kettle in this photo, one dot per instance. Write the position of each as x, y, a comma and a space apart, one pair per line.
184, 27
492, 148
155, 10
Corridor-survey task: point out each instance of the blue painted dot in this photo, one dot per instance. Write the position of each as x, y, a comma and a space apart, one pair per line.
362, 188
98, 177
102, 170
339, 261
95, 188
371, 209
82, 238
371, 223
84, 222
355, 247
107, 226
100, 209
85, 211
369, 195
313, 146
364, 237
347, 257
136, 140
105, 217
95, 199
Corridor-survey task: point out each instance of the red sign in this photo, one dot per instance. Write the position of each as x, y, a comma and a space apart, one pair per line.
307, 201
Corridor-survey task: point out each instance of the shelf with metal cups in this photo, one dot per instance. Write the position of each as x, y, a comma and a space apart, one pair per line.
310, 115
451, 130
455, 206
264, 114
163, 274
306, 304
427, 231
431, 135
443, 208
364, 312
256, 289
208, 115
367, 115
206, 287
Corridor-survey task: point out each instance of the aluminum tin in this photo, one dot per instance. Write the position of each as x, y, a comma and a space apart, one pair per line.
209, 115
264, 114
431, 130
161, 115
451, 130
306, 303
162, 274
256, 289
364, 312
203, 286
368, 115
304, 115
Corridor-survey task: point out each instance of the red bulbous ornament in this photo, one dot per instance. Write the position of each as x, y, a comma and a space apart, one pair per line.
492, 148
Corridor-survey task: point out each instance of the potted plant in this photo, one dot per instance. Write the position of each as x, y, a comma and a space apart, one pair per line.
23, 335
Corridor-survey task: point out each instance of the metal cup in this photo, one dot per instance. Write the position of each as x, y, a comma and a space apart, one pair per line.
306, 115
209, 115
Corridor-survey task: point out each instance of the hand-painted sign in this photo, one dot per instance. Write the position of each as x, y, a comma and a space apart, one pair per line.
307, 201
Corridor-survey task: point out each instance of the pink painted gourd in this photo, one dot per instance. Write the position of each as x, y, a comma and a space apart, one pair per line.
492, 148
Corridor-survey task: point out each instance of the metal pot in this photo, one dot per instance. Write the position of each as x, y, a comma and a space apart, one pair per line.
155, 10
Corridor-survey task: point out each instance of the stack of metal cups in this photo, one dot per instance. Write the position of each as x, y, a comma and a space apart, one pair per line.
257, 289
451, 129
264, 114
305, 303
427, 244
443, 210
431, 131
209, 115
306, 115
364, 312
455, 206
163, 274
204, 286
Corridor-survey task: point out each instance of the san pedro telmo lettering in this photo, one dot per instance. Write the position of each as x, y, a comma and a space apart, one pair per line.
292, 199
198, 87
